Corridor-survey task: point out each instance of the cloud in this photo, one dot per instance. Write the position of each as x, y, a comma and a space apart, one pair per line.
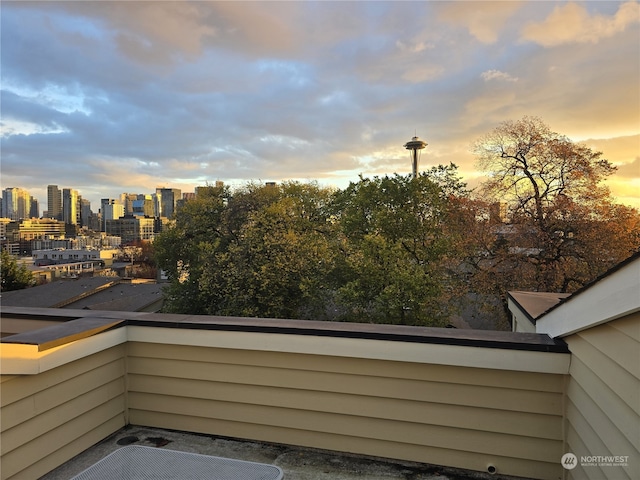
119, 94
483, 20
415, 47
497, 75
571, 23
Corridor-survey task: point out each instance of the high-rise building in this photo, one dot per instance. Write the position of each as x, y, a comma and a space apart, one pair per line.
143, 206
16, 203
85, 212
70, 210
54, 202
166, 201
34, 211
111, 209
127, 200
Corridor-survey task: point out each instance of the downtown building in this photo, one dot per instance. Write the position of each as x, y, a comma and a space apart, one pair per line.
20, 234
17, 204
131, 228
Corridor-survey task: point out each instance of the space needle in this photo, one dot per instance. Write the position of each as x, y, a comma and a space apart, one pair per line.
414, 145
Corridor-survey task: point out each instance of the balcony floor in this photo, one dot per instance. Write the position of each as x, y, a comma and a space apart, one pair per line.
297, 463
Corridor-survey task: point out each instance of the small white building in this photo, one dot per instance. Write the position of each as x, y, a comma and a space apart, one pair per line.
61, 255
527, 307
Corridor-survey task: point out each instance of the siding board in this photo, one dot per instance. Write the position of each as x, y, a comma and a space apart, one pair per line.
610, 373
18, 459
463, 440
603, 397
43, 465
484, 419
454, 391
467, 413
40, 402
629, 325
607, 401
20, 386
361, 367
43, 416
625, 354
54, 418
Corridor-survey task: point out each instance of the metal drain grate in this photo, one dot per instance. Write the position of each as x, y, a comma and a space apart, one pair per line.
135, 462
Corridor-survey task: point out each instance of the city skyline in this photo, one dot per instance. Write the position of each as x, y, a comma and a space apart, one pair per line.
115, 97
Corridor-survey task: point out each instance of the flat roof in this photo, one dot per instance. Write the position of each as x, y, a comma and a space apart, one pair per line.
296, 462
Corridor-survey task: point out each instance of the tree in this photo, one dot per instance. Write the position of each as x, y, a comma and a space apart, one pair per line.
397, 249
12, 275
561, 217
262, 252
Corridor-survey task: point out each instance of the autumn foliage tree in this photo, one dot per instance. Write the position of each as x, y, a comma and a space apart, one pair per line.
562, 228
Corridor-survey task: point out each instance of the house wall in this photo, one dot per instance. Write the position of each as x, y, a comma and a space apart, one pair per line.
519, 320
603, 398
48, 418
441, 414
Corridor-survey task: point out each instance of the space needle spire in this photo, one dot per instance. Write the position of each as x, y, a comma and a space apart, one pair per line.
414, 145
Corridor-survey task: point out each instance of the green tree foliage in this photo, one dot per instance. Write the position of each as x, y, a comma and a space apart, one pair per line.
563, 228
263, 251
12, 275
397, 247
374, 252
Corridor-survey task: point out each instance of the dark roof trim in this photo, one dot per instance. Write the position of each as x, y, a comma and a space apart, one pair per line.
97, 322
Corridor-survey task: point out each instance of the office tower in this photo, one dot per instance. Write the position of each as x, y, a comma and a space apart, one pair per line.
70, 210
16, 203
54, 202
34, 210
127, 200
143, 206
85, 212
111, 210
166, 200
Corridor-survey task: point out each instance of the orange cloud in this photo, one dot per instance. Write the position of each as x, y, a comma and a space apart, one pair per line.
571, 23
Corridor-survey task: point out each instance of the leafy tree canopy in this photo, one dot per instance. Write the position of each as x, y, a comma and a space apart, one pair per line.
373, 252
12, 275
561, 227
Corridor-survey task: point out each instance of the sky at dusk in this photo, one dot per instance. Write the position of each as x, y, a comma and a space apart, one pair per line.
118, 96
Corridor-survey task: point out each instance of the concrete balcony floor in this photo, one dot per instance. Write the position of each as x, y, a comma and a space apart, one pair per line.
297, 463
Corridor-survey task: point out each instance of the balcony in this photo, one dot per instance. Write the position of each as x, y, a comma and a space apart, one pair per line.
475, 400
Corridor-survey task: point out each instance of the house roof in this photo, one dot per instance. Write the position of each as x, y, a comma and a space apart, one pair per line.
534, 304
94, 293
613, 295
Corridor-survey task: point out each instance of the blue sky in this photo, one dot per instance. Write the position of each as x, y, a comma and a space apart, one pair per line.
113, 97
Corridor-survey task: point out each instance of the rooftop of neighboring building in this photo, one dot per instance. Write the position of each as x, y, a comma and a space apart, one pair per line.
93, 293
534, 304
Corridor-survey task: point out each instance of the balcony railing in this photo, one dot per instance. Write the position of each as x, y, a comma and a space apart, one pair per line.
468, 399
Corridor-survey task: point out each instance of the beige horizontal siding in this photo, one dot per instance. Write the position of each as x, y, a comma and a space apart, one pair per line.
603, 406
457, 416
43, 416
